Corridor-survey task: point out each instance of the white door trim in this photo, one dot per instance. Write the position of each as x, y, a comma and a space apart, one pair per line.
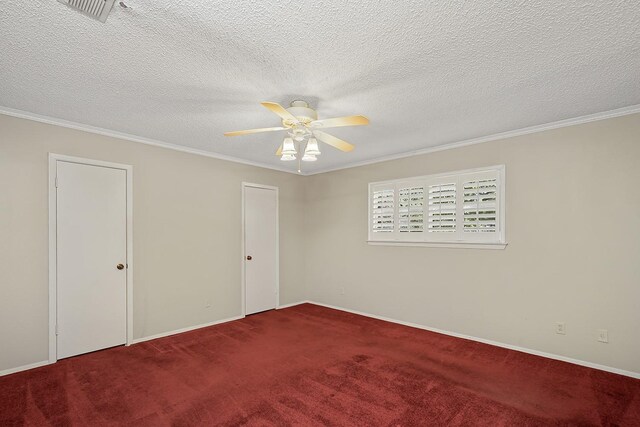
53, 161
243, 283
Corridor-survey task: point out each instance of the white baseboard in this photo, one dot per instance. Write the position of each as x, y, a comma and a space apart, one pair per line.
291, 305
187, 329
23, 368
386, 319
204, 325
490, 342
135, 341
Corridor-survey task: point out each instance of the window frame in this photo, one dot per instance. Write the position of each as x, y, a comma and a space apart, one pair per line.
457, 239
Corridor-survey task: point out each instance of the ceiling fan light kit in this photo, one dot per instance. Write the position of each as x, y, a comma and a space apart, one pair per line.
301, 123
289, 148
312, 147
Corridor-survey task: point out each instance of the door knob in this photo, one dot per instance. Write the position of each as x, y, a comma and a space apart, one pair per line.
120, 266
249, 258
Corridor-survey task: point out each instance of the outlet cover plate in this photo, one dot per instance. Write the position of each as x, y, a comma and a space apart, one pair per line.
603, 335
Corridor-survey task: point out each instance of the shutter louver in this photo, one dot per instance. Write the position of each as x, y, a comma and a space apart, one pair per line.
480, 206
410, 209
382, 211
442, 208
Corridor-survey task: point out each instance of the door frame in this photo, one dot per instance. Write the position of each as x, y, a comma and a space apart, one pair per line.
243, 283
53, 255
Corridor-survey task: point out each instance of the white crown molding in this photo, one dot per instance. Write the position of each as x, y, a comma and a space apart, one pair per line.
134, 138
632, 109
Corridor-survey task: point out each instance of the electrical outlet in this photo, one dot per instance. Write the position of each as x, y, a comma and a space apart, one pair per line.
207, 304
560, 328
603, 335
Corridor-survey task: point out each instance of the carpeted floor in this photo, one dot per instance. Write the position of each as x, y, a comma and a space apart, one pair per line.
309, 365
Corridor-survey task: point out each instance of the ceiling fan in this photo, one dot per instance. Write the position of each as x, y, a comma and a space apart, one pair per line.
303, 127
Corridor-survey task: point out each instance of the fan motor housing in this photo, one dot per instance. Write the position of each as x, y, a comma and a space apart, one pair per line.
301, 111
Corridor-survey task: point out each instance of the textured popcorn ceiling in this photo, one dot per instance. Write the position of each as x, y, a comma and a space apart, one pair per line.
426, 73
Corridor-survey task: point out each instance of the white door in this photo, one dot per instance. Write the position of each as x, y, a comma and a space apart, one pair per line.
260, 243
91, 227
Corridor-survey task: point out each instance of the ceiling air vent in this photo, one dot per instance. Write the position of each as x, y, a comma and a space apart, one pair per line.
98, 9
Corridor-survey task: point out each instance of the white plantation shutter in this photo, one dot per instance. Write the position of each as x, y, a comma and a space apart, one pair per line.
457, 207
480, 206
442, 208
382, 201
411, 209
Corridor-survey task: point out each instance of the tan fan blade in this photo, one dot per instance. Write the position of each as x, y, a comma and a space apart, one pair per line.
340, 121
333, 141
279, 152
247, 132
280, 110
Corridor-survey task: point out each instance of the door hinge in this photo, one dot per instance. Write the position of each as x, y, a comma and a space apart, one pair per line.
56, 329
56, 182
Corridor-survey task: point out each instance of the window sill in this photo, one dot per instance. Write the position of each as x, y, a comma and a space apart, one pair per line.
450, 245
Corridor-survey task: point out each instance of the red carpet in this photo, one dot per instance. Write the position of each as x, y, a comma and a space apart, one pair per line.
309, 365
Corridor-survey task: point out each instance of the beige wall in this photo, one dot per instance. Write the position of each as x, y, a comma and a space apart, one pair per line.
187, 232
578, 262
573, 227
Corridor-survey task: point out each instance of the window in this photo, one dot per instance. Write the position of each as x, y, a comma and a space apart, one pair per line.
464, 208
